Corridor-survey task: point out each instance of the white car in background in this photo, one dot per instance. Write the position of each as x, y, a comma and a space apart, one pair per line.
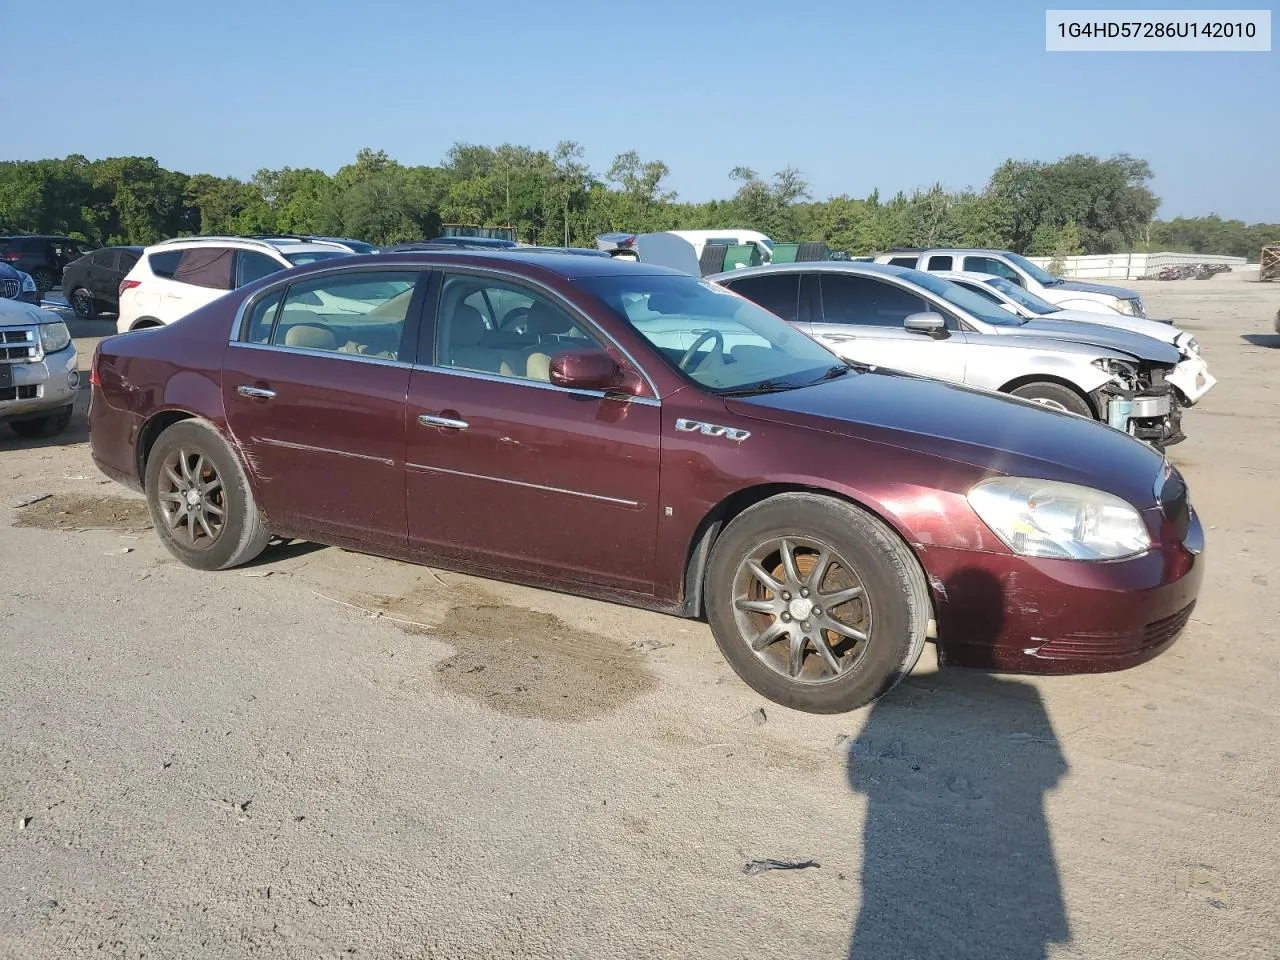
1068, 294
173, 278
1191, 376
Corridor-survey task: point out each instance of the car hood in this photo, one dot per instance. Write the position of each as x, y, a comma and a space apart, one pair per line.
16, 313
1126, 341
9, 273
1162, 330
992, 432
1079, 286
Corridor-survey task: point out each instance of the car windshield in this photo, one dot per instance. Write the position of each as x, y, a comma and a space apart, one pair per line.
311, 256
1038, 274
359, 246
975, 304
1022, 297
718, 339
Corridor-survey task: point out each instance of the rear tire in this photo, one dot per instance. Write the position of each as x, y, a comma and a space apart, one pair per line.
1056, 397
43, 427
887, 606
222, 528
43, 279
83, 303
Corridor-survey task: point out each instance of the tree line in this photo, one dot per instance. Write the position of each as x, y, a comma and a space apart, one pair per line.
1078, 204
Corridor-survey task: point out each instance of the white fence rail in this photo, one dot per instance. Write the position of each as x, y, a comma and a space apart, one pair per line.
1131, 266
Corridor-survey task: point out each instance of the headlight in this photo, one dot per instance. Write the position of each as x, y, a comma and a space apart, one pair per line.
54, 336
28, 283
1063, 521
1128, 307
1122, 370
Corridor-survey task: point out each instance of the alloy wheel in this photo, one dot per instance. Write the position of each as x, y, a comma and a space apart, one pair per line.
191, 498
82, 303
802, 609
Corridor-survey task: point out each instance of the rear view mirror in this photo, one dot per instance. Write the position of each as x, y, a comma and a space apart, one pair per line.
928, 322
587, 369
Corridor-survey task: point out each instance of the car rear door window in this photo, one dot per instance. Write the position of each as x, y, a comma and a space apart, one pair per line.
904, 262
358, 313
975, 264
776, 292
852, 299
164, 263
493, 327
206, 267
105, 259
252, 265
940, 261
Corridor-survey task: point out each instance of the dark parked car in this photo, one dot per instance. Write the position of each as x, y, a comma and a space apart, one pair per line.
92, 283
16, 285
636, 434
42, 256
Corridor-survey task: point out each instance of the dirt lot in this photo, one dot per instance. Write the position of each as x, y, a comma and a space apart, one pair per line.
333, 755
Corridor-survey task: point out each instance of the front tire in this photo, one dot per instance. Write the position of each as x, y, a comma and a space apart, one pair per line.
83, 303
200, 501
815, 603
1056, 397
43, 427
43, 279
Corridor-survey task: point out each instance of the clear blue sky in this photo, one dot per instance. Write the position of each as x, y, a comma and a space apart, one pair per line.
856, 94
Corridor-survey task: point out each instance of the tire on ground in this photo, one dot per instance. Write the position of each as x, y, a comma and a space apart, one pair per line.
890, 574
243, 535
1055, 396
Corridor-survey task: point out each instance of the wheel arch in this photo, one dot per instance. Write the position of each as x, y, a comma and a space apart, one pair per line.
145, 323
729, 508
1031, 378
150, 432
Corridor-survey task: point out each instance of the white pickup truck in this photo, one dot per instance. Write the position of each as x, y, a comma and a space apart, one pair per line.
1067, 294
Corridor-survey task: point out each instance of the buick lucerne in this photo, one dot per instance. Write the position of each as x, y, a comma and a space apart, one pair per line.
639, 435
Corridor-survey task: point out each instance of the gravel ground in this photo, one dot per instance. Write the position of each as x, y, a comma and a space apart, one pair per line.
334, 755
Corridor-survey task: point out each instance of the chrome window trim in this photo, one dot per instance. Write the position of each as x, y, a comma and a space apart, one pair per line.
463, 268
288, 445
305, 352
531, 486
536, 384
516, 279
238, 322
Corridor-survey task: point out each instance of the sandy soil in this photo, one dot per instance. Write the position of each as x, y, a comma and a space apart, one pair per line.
332, 755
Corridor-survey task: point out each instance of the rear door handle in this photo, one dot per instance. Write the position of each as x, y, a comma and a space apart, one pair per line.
257, 393
429, 421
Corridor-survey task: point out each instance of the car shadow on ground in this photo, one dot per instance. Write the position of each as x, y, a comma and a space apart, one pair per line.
77, 431
1262, 339
957, 857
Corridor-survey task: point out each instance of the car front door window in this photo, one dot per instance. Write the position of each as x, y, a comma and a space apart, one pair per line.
993, 266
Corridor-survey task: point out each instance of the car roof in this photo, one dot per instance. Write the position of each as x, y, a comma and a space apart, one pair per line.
246, 243
822, 266
569, 266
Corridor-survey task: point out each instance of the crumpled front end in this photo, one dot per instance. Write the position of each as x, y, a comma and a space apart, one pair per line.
1142, 402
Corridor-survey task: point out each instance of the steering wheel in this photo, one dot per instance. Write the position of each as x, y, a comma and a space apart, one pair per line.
715, 335
515, 320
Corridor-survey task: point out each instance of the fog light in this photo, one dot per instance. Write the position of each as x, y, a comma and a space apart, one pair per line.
73, 379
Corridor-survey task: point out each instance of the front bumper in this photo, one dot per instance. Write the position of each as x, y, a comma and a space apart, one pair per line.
1004, 612
1192, 378
41, 387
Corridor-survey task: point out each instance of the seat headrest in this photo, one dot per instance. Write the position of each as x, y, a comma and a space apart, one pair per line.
467, 328
546, 319
310, 336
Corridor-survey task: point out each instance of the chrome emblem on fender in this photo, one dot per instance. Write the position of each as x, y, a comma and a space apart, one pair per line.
712, 430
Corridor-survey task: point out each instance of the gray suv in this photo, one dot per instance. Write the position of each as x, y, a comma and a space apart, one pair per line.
38, 371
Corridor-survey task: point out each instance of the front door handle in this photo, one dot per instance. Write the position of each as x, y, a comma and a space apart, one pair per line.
429, 421
257, 393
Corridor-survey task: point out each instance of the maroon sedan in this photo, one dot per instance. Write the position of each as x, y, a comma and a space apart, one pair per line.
639, 435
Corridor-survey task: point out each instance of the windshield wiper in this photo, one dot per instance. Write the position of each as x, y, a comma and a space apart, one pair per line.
764, 386
833, 372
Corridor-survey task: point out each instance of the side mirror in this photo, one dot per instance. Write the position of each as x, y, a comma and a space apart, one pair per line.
929, 323
592, 370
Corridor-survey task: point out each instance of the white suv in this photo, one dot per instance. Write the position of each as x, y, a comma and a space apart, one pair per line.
175, 277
